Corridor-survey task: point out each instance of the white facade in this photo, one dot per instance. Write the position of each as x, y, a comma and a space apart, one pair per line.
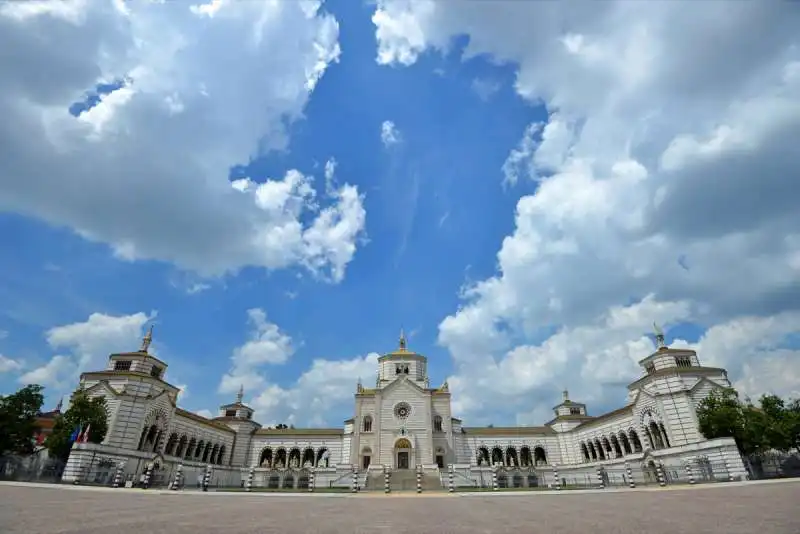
404, 423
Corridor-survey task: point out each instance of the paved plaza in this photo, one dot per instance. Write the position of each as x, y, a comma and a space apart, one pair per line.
769, 508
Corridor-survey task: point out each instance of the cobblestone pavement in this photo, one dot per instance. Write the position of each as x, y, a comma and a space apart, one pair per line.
738, 509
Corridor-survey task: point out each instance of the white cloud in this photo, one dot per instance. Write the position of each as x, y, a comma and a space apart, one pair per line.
660, 171
267, 346
7, 365
756, 352
390, 135
326, 388
146, 169
86, 346
484, 88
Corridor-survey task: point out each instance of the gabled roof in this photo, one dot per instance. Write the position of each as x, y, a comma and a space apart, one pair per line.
606, 416
202, 420
509, 431
305, 432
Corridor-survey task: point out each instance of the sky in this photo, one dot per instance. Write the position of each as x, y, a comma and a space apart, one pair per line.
280, 187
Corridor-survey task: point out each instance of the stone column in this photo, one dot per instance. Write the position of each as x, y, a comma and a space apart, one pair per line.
494, 477
600, 478
250, 474
662, 480
419, 479
556, 480
690, 472
355, 480
311, 476
386, 480
451, 484
176, 482
207, 477
147, 474
629, 474
118, 475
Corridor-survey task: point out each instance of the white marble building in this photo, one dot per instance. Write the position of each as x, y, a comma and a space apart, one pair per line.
404, 424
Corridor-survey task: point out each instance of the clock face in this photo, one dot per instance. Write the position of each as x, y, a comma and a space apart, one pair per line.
402, 410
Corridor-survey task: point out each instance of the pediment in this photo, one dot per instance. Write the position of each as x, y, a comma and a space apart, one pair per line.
704, 380
104, 387
404, 383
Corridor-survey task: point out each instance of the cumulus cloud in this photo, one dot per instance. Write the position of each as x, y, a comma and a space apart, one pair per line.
267, 345
8, 365
167, 101
663, 176
326, 389
86, 345
390, 135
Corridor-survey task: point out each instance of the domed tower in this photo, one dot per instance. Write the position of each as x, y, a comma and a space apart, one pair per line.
402, 362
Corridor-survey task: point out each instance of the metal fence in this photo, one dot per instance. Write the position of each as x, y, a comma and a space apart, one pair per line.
34, 468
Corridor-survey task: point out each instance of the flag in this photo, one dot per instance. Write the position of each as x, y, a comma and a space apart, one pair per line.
75, 434
85, 436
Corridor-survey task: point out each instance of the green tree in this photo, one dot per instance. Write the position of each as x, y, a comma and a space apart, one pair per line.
722, 415
18, 413
778, 427
83, 411
793, 423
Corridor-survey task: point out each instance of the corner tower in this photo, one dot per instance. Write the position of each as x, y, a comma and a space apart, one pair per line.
139, 401
666, 397
239, 417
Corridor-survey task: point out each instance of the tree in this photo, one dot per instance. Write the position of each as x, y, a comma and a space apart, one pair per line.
771, 425
18, 413
84, 411
722, 415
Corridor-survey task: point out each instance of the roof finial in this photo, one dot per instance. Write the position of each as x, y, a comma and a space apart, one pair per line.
147, 340
402, 339
240, 395
60, 404
659, 337
565, 394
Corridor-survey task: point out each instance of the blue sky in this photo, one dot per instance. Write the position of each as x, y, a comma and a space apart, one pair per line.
439, 208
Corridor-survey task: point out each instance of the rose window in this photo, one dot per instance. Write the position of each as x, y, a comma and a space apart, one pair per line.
402, 410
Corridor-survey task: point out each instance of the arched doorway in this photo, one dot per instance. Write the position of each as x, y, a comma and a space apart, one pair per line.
402, 453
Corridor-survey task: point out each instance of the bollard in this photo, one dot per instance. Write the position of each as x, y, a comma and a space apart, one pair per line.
600, 478
311, 481
556, 481
386, 480
628, 471
176, 482
689, 472
118, 476
494, 477
206, 478
662, 480
451, 484
355, 480
250, 475
419, 479
147, 474
728, 469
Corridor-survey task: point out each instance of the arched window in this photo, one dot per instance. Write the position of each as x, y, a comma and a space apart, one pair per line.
367, 423
437, 423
